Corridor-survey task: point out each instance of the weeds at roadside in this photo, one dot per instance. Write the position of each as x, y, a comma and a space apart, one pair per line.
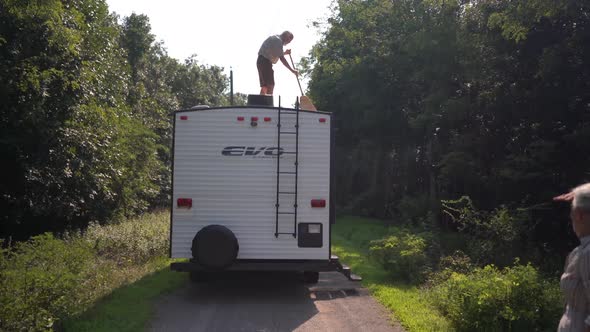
48, 280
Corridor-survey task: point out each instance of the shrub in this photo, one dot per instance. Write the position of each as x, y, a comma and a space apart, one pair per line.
457, 262
516, 298
494, 236
403, 255
132, 242
41, 282
414, 209
45, 280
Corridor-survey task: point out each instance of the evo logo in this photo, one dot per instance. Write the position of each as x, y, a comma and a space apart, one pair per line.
244, 151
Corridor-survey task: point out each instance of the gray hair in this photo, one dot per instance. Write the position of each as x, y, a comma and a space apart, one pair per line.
286, 34
581, 199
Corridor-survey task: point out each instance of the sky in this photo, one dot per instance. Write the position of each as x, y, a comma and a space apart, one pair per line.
228, 33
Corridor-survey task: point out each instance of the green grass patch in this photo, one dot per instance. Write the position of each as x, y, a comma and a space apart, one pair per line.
410, 306
129, 308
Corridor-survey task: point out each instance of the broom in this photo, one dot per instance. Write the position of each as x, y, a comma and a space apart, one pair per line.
304, 101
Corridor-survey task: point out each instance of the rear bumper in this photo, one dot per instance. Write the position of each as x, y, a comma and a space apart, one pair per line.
320, 266
333, 264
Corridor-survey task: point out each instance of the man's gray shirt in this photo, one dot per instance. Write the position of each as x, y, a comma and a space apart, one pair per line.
272, 48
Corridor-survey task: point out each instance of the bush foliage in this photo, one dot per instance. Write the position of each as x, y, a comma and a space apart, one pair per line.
403, 255
473, 295
132, 242
41, 280
515, 298
48, 279
496, 236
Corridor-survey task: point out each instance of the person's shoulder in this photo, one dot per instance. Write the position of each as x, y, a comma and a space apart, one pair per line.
274, 39
584, 249
276, 42
582, 252
584, 244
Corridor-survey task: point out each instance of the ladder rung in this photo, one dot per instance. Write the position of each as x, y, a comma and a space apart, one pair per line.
287, 193
288, 132
286, 212
287, 172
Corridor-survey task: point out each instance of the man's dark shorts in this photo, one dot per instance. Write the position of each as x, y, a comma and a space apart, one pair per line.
265, 72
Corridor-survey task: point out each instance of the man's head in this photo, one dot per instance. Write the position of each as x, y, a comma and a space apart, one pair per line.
286, 37
580, 211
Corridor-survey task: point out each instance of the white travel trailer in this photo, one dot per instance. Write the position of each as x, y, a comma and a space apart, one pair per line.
252, 190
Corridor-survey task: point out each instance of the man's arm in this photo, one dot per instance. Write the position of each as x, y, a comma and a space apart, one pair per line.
284, 61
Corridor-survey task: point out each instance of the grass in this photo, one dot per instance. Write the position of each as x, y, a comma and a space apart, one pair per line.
129, 308
350, 241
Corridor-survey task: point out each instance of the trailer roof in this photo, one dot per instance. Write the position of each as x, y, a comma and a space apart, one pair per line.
248, 106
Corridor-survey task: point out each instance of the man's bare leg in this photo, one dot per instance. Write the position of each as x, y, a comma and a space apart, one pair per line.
267, 90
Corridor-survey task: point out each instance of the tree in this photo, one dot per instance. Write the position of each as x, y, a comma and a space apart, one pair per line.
197, 84
438, 99
70, 144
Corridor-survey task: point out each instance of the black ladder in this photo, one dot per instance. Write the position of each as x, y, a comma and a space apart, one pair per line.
292, 132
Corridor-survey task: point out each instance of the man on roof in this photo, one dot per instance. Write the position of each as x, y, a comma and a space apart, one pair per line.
270, 53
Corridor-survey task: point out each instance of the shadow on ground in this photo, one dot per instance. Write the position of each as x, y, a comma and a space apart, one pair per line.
241, 301
278, 301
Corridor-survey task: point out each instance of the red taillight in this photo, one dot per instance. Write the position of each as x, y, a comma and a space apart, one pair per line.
267, 119
240, 118
184, 202
322, 120
318, 203
254, 118
183, 117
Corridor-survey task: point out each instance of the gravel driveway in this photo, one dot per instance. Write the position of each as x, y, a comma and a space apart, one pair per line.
271, 302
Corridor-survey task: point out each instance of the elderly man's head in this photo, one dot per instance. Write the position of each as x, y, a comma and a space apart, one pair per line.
286, 37
580, 212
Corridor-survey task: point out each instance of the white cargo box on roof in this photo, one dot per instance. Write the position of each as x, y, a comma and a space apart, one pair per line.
252, 189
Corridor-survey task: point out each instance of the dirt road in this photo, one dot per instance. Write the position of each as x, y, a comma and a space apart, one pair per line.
271, 302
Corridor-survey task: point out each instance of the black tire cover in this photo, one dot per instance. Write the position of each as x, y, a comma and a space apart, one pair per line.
215, 246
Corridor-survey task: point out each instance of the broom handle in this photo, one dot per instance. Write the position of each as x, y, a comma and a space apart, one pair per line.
300, 89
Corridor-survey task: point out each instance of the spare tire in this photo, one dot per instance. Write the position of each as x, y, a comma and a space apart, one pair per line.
215, 247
